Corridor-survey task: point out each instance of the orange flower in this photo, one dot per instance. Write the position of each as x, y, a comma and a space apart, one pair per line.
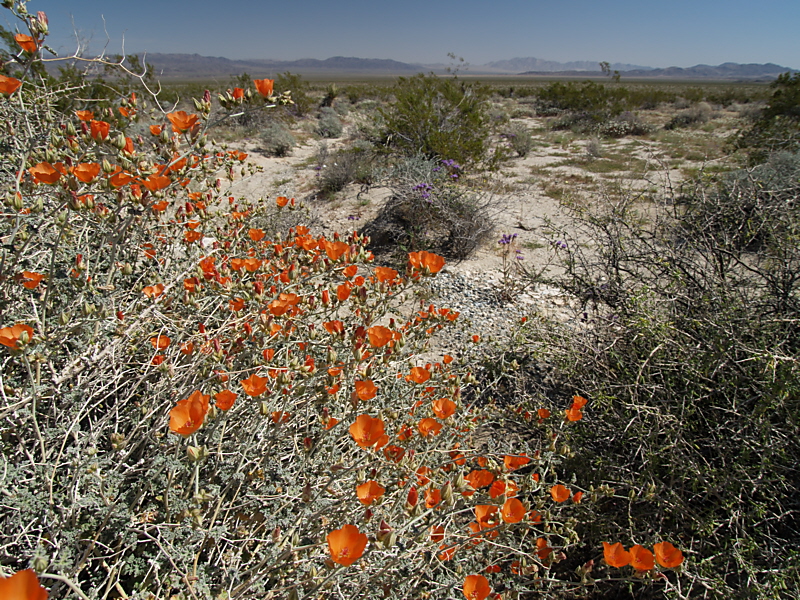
182, 122
343, 291
379, 336
350, 271
153, 291
331, 423
280, 416
369, 491
187, 348
254, 385
437, 533
156, 182
238, 93
485, 515
641, 558
432, 498
22, 585
479, 478
419, 375
615, 555
394, 453
543, 414
86, 172
264, 86
412, 498
281, 201
578, 402
224, 400
560, 493
574, 414
366, 390
31, 280
84, 115
11, 336
476, 587
26, 42
236, 304
513, 511
443, 408
44, 172
256, 234
9, 85
335, 250
543, 550
334, 327
429, 427
99, 129
512, 463
346, 545
498, 488
667, 555
427, 261
576, 497
385, 274
160, 342
189, 414
155, 129
367, 431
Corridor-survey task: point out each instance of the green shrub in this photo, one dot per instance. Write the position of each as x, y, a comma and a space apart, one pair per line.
303, 103
277, 138
355, 164
696, 115
686, 342
777, 128
519, 138
437, 117
329, 124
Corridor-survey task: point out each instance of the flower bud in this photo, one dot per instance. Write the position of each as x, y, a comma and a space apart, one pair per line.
118, 441
195, 453
40, 564
71, 132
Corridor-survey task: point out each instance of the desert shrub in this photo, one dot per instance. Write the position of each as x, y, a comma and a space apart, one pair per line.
695, 115
429, 210
589, 98
778, 126
519, 138
437, 117
329, 124
303, 103
277, 138
354, 164
624, 124
687, 349
202, 399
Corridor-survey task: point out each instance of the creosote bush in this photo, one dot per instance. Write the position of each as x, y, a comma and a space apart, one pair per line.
203, 399
443, 118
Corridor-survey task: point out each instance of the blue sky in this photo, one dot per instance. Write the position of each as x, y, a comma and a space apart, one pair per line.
658, 34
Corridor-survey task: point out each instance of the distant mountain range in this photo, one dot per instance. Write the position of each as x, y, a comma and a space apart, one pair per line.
753, 72
195, 66
518, 65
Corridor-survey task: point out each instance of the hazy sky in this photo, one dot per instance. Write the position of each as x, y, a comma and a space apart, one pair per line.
658, 34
